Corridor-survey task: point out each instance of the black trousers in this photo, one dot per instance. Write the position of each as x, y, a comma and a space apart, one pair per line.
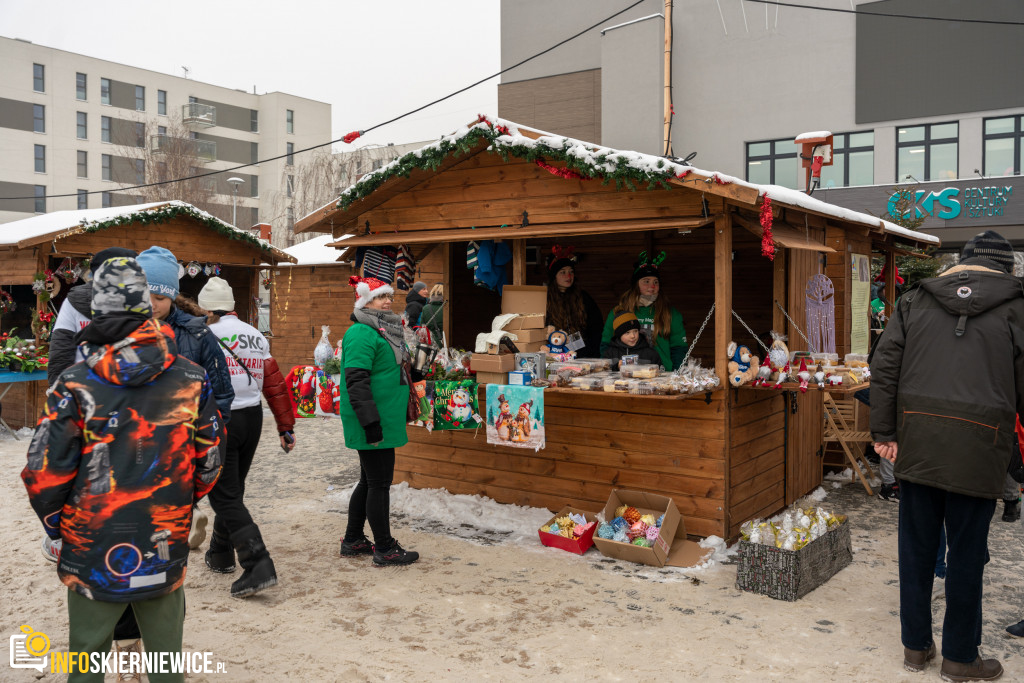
371, 498
227, 495
923, 511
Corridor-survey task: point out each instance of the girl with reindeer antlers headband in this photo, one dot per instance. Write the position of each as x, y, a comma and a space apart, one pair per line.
571, 309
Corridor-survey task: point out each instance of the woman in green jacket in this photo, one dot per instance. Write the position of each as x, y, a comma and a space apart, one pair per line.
373, 404
659, 320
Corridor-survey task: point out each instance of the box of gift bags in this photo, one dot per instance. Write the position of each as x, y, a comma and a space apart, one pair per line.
574, 542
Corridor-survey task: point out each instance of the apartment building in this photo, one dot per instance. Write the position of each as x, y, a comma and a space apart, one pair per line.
90, 128
938, 104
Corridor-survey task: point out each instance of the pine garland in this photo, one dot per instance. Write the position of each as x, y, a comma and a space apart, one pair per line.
602, 163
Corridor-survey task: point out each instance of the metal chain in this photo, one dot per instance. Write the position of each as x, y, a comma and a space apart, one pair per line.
795, 327
737, 316
693, 344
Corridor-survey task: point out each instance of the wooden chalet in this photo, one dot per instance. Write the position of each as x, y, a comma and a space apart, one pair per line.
724, 458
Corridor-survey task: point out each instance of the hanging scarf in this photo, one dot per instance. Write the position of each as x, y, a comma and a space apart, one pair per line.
389, 325
648, 300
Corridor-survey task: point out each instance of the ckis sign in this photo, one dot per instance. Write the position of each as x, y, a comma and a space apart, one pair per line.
954, 202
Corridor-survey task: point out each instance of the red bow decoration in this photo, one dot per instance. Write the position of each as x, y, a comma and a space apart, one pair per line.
767, 243
45, 317
881, 276
348, 139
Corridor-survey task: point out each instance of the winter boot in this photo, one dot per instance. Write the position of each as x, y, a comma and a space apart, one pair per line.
1011, 510
394, 556
220, 557
978, 670
258, 569
890, 492
358, 547
916, 660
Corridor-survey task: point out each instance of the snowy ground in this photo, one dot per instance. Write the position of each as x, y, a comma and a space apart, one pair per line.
487, 601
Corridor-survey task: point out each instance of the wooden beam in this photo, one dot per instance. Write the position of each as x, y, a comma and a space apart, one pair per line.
890, 282
667, 73
779, 290
723, 292
426, 252
701, 182
519, 262
532, 230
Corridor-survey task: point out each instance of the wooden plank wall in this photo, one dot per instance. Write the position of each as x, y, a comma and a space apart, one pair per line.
757, 457
595, 442
23, 404
19, 266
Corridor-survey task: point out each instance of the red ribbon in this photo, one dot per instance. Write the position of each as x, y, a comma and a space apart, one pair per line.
767, 243
348, 139
560, 172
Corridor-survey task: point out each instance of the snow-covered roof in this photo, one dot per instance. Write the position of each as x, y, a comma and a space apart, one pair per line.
45, 226
591, 160
315, 252
816, 134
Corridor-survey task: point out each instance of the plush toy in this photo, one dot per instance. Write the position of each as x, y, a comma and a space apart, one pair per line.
763, 374
781, 376
556, 344
804, 375
778, 356
743, 365
504, 421
819, 376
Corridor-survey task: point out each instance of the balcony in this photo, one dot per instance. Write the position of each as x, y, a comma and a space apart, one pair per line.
204, 150
195, 114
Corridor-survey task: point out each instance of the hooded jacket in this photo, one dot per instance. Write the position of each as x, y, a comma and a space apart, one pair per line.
947, 379
414, 302
75, 313
197, 343
647, 353
128, 441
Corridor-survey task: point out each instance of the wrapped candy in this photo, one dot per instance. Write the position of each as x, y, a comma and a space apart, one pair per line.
787, 522
661, 520
620, 536
620, 523
631, 515
606, 531
565, 533
755, 534
636, 530
553, 528
647, 519
577, 518
621, 510
804, 521
546, 529
642, 542
564, 522
579, 530
652, 533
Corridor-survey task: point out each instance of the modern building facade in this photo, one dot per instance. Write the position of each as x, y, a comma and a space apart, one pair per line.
89, 128
908, 100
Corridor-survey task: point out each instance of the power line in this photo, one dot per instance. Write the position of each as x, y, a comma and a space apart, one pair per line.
868, 13
344, 138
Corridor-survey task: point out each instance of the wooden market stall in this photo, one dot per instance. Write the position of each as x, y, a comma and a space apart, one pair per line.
62, 240
725, 457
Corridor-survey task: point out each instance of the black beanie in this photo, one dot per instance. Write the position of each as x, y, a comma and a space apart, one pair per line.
992, 246
647, 266
623, 323
560, 258
109, 253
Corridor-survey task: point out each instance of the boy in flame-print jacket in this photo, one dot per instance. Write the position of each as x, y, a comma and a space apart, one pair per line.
129, 440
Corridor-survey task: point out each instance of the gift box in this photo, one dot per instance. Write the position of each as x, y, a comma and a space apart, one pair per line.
792, 574
578, 546
519, 378
670, 548
492, 378
530, 302
486, 362
527, 336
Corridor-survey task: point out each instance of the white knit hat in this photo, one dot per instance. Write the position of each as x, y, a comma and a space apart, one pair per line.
217, 295
368, 289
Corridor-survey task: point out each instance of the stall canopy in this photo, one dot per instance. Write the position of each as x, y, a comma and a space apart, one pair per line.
521, 201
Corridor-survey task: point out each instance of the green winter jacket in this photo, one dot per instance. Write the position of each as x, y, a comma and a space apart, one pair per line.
947, 379
363, 348
672, 349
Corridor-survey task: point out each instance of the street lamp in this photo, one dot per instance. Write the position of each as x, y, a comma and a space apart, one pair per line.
234, 181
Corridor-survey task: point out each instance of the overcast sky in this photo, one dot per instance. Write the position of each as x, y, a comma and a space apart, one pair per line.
370, 60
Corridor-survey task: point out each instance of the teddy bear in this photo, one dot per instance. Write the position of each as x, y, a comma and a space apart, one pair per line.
743, 365
556, 345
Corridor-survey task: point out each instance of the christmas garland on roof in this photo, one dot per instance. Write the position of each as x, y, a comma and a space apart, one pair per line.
164, 214
599, 163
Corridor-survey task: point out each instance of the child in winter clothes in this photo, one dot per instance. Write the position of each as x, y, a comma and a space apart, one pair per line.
627, 340
128, 440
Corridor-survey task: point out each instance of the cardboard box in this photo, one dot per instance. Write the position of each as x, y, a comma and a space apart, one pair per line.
530, 347
792, 574
529, 301
579, 546
672, 547
525, 336
526, 322
485, 362
492, 377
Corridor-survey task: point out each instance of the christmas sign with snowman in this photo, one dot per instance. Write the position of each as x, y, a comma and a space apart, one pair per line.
455, 405
515, 416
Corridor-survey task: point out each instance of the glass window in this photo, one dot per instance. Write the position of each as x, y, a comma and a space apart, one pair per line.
1004, 146
39, 118
106, 167
80, 83
254, 186
83, 199
39, 78
289, 120
83, 164
290, 151
254, 121
105, 200
105, 128
40, 155
40, 192
82, 125
140, 134
192, 99
289, 185
254, 152
853, 160
140, 171
104, 91
773, 162
928, 152
161, 102
140, 98
161, 130
291, 217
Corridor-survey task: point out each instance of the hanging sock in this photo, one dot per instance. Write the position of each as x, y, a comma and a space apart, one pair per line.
405, 268
471, 255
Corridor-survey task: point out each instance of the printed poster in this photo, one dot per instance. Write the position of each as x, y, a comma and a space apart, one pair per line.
456, 405
314, 392
860, 300
515, 416
424, 392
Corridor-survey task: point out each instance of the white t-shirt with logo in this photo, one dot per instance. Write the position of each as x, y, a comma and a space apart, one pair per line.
252, 349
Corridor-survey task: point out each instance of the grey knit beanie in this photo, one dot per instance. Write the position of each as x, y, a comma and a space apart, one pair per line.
992, 246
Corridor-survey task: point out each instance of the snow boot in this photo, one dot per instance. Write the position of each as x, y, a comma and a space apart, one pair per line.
258, 569
220, 557
978, 670
1011, 510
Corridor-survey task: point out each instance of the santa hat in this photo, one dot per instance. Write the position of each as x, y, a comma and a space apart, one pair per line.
368, 289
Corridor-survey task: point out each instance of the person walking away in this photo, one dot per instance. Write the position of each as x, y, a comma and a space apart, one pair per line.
74, 314
253, 372
374, 399
127, 441
950, 435
415, 300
